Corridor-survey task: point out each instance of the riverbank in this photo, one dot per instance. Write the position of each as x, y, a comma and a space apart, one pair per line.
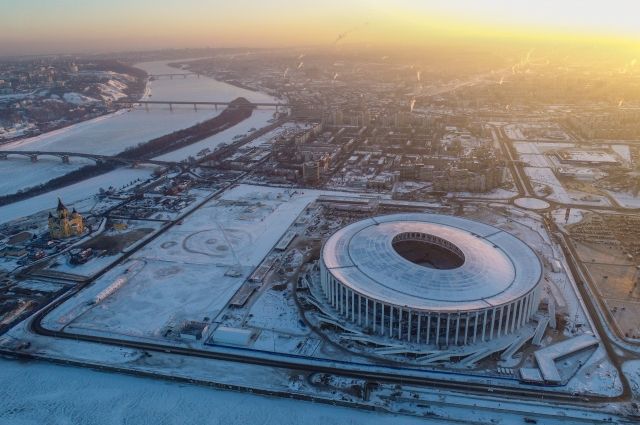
113, 133
238, 111
134, 90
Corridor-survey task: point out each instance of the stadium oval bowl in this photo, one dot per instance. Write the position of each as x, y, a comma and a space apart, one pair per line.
429, 278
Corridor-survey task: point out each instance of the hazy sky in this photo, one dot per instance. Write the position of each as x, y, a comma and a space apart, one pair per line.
44, 26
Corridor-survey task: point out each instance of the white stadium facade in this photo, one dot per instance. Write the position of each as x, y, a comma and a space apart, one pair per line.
431, 279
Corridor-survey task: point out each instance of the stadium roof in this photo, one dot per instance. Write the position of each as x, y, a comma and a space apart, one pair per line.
497, 268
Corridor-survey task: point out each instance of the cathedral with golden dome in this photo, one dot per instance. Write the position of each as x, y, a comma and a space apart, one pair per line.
64, 224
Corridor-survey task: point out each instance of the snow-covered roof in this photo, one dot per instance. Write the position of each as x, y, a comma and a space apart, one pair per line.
546, 357
231, 336
497, 267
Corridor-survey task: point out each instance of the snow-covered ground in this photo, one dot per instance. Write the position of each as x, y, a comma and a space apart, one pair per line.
183, 275
545, 177
540, 169
78, 99
626, 199
89, 397
543, 132
264, 213
532, 203
575, 216
631, 370
623, 152
498, 193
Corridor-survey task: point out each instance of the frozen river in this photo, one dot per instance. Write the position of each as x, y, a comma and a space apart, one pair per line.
113, 133
37, 396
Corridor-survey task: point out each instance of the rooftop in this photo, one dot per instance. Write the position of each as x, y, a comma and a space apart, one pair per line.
497, 267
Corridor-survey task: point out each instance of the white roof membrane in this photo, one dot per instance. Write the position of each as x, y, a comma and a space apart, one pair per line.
497, 268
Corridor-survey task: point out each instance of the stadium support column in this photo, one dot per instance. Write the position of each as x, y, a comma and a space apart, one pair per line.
446, 335
409, 326
347, 307
347, 297
493, 322
466, 329
475, 327
484, 324
353, 306
457, 329
507, 319
327, 282
419, 317
524, 318
535, 301
500, 322
374, 316
331, 283
516, 310
366, 312
428, 326
333, 292
532, 300
390, 321
522, 312
438, 330
345, 301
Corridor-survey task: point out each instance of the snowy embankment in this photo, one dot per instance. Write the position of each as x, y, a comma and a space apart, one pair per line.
78, 99
258, 119
73, 194
92, 397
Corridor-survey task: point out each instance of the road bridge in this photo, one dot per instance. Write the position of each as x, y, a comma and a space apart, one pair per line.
174, 74
196, 103
65, 157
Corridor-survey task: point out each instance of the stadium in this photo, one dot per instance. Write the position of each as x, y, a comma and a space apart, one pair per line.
430, 279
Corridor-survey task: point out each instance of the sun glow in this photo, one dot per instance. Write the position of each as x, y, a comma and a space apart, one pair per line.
35, 26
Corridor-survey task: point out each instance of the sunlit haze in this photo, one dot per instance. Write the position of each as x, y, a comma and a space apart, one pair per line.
363, 212
34, 26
